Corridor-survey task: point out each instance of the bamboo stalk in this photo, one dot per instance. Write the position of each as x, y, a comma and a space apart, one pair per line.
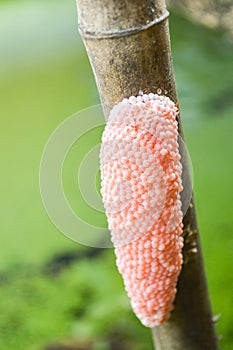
128, 44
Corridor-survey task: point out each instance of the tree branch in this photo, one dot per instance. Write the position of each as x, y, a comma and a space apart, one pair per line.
128, 45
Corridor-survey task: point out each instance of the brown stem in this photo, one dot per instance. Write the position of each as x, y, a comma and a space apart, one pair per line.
128, 44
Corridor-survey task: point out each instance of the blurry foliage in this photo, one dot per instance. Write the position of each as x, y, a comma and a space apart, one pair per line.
88, 306
45, 77
212, 13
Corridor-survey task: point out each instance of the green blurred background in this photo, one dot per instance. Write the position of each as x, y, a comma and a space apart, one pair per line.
54, 291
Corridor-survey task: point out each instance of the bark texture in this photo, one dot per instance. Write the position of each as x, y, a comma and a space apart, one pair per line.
128, 44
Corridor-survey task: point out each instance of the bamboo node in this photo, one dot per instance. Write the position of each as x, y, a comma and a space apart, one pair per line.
118, 33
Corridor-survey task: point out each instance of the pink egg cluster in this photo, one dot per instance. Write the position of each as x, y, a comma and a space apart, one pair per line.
141, 185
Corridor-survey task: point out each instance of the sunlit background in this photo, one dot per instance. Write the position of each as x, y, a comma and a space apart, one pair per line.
54, 293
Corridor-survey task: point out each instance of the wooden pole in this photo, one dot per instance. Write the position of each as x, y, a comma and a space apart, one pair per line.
128, 44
